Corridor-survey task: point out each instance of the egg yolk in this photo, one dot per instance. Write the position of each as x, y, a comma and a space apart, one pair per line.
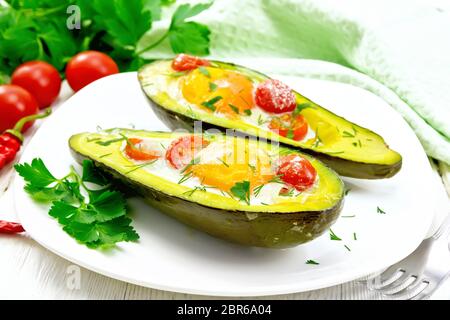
235, 90
222, 165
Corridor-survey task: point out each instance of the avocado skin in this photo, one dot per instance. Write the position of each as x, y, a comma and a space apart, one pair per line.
258, 229
343, 167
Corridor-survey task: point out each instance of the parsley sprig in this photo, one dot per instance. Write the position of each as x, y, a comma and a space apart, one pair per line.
96, 217
45, 30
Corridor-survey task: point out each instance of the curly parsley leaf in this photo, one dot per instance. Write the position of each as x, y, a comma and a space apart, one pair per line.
36, 173
98, 219
124, 21
92, 174
242, 191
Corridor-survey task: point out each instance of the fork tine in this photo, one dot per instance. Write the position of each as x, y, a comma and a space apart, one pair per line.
399, 285
413, 290
385, 278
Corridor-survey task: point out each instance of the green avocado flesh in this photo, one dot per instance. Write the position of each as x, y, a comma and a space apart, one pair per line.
349, 149
285, 221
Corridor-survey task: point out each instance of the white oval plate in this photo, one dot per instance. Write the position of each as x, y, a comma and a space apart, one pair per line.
171, 256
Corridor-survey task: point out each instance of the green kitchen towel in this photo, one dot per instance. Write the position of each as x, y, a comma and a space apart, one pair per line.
399, 50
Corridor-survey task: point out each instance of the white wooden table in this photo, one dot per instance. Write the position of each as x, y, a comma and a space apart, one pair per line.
29, 271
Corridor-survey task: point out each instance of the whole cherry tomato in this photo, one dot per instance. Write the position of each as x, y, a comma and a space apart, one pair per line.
88, 66
40, 79
15, 103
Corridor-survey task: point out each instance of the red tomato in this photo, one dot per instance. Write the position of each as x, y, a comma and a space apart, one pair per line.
184, 62
88, 66
297, 172
135, 150
15, 103
275, 97
183, 150
40, 79
288, 126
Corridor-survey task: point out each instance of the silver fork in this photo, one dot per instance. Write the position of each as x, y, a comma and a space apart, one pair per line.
420, 274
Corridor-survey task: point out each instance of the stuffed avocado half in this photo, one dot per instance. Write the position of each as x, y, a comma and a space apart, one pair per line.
225, 95
238, 189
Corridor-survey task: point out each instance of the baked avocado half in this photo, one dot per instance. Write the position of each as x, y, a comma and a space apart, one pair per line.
223, 95
242, 190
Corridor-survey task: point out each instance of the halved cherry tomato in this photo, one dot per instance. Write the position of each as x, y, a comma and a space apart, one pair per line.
297, 172
183, 150
274, 96
184, 62
292, 127
137, 151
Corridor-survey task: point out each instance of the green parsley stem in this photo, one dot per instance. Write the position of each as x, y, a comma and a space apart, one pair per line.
153, 45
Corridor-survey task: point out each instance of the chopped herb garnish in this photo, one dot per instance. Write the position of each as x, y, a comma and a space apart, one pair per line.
108, 142
277, 179
379, 210
163, 146
347, 191
185, 177
290, 134
197, 188
257, 190
354, 144
105, 155
261, 121
285, 192
204, 71
346, 247
333, 236
248, 112
264, 204
252, 167
311, 262
347, 134
354, 236
300, 107
318, 140
210, 103
223, 162
139, 166
242, 191
359, 143
195, 160
212, 86
176, 74
234, 108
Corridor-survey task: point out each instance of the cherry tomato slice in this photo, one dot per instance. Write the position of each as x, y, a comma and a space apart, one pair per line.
183, 150
135, 150
289, 126
184, 62
297, 172
274, 96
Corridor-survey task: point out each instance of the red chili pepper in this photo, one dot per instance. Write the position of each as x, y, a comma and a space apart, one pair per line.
10, 227
11, 140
